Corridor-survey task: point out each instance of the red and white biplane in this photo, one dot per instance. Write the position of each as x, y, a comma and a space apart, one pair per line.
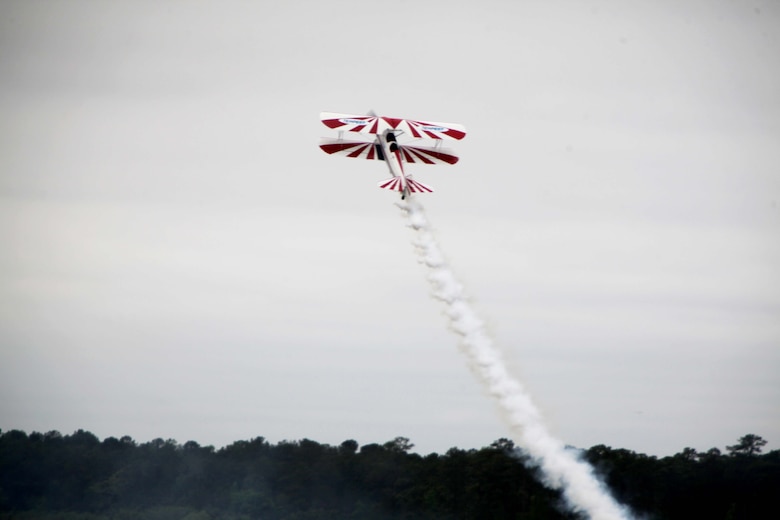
385, 146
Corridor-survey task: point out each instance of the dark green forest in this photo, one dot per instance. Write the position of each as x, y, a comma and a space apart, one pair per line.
47, 476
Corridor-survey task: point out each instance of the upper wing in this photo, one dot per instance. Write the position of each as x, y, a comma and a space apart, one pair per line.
418, 154
363, 124
429, 130
356, 149
377, 125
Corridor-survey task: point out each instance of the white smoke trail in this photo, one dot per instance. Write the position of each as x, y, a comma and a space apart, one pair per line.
561, 469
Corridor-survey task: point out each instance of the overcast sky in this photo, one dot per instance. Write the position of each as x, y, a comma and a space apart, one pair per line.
180, 260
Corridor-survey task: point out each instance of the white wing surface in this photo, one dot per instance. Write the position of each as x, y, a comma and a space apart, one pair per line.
377, 124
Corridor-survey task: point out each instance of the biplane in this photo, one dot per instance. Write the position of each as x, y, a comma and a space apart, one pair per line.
385, 146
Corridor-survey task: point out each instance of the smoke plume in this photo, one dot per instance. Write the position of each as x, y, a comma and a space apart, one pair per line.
561, 468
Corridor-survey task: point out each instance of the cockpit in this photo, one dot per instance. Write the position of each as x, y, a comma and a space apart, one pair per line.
392, 142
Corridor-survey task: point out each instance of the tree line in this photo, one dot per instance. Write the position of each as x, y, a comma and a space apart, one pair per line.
47, 476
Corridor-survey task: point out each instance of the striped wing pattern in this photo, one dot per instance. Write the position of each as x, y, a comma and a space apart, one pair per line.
355, 149
363, 124
417, 154
420, 129
377, 125
409, 154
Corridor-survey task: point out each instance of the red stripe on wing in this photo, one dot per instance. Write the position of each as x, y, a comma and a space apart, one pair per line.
455, 134
420, 156
338, 147
425, 154
359, 150
392, 121
332, 123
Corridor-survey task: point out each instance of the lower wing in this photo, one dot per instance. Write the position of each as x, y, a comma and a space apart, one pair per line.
409, 154
420, 154
355, 149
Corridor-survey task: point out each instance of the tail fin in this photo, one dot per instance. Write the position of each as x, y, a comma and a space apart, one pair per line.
405, 184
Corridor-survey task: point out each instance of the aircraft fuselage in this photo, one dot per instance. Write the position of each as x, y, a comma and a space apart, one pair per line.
392, 156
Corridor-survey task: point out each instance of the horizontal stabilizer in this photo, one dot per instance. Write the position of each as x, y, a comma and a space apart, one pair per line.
373, 124
401, 184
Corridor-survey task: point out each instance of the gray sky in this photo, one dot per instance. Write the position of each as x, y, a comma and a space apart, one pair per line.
180, 260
